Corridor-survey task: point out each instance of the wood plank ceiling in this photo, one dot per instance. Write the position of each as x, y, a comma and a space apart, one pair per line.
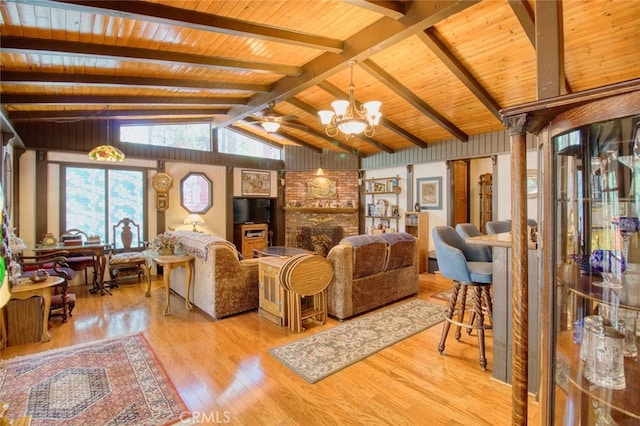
442, 69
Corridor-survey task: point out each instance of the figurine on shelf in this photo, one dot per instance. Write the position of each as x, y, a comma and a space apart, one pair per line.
611, 264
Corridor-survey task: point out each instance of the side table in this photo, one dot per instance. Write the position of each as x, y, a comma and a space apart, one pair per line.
26, 289
169, 263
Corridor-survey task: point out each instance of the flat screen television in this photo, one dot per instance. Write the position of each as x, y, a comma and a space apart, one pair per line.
256, 210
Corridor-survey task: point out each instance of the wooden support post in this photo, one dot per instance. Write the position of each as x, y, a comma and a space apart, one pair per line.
520, 270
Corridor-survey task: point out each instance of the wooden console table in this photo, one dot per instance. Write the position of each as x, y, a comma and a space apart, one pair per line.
169, 263
26, 289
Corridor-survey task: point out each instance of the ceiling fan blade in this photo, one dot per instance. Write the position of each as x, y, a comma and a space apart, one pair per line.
295, 125
288, 117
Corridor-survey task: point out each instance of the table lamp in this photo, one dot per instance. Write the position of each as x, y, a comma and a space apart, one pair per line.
194, 219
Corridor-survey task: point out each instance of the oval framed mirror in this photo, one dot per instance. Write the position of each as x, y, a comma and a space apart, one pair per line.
196, 192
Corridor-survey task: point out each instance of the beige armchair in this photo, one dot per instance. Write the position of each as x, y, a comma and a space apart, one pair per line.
222, 284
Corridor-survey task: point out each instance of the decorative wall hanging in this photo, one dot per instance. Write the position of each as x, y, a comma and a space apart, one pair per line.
255, 182
321, 187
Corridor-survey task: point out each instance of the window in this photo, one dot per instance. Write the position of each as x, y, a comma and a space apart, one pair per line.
96, 198
187, 136
230, 142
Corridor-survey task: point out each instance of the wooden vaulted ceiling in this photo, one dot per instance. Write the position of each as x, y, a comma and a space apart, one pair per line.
442, 69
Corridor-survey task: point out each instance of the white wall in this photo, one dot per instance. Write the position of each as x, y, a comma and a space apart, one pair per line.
215, 218
503, 195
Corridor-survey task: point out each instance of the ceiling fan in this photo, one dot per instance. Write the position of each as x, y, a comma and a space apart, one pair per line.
271, 121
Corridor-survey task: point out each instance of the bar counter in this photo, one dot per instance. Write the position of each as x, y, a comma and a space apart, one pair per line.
502, 292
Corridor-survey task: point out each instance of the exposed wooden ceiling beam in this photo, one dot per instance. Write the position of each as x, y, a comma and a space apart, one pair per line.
459, 70
392, 9
406, 94
262, 139
115, 113
527, 19
37, 78
300, 142
333, 90
130, 100
153, 12
334, 142
12, 44
311, 110
381, 34
310, 131
525, 16
550, 60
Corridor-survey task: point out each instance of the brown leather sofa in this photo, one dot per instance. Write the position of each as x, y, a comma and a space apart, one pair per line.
370, 271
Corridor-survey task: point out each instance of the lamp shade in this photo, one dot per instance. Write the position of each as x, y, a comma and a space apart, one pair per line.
106, 153
193, 219
270, 126
325, 116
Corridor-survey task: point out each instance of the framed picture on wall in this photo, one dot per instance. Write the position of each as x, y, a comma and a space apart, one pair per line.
255, 182
429, 193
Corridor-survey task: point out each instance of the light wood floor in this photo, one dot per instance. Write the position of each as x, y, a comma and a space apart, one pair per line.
223, 371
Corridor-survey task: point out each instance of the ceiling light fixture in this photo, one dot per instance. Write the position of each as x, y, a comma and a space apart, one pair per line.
270, 126
106, 152
348, 118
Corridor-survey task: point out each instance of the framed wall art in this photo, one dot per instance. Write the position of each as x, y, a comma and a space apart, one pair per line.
429, 193
255, 182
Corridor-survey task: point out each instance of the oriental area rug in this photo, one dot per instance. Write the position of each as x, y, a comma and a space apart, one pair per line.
320, 355
110, 382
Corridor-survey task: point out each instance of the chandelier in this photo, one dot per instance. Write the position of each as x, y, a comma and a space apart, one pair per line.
106, 152
347, 118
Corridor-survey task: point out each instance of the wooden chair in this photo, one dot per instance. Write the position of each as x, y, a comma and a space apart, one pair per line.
126, 257
80, 260
55, 263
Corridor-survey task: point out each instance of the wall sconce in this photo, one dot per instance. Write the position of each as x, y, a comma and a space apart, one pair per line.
282, 181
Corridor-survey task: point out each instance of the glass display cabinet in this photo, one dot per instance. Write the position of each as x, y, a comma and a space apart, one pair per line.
591, 262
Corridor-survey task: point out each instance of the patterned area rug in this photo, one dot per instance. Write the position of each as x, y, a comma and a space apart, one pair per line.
109, 382
322, 354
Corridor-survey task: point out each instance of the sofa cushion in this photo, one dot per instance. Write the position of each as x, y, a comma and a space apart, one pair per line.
401, 246
369, 254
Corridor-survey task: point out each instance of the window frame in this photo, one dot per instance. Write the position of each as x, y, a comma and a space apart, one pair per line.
107, 167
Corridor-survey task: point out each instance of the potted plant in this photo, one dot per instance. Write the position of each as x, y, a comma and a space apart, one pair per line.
165, 244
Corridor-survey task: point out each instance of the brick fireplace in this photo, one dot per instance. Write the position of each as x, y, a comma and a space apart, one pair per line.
320, 210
